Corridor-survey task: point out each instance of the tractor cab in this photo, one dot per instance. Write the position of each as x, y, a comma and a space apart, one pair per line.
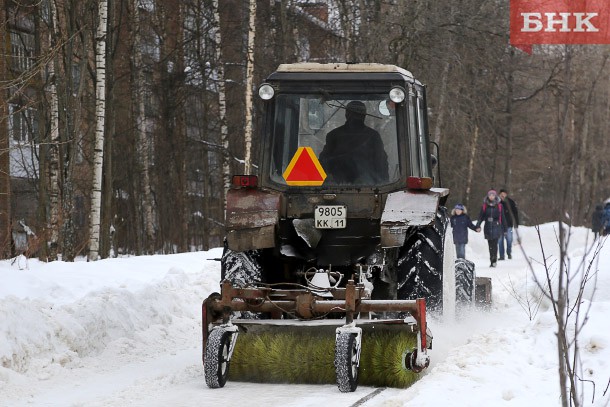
341, 126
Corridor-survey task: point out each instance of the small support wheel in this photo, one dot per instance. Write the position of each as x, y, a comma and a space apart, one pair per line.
346, 361
410, 362
216, 362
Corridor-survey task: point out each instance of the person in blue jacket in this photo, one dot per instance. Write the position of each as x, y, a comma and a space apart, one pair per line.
460, 222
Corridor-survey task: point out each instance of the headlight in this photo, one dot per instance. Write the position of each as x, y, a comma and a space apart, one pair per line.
266, 91
397, 95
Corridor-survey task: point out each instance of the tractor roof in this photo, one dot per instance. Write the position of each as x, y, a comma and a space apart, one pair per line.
341, 67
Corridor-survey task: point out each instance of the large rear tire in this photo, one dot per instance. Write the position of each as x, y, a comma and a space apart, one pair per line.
242, 269
426, 264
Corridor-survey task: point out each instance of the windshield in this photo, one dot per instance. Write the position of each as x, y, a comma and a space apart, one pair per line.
334, 140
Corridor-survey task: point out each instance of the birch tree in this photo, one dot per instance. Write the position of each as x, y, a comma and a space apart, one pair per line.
222, 105
100, 113
249, 85
54, 159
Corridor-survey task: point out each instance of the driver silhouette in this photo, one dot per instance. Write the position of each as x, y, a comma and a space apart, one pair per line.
354, 152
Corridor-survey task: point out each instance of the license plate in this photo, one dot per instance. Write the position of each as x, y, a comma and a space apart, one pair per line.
330, 216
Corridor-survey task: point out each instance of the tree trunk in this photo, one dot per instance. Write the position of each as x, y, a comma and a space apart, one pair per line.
106, 224
508, 159
5, 179
222, 108
561, 307
473, 152
55, 203
440, 117
181, 128
144, 147
42, 27
249, 85
100, 115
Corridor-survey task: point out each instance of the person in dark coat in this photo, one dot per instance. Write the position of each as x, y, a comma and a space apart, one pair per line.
492, 214
604, 230
511, 214
460, 222
354, 152
596, 220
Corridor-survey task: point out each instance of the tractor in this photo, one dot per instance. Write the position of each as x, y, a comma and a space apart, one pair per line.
341, 233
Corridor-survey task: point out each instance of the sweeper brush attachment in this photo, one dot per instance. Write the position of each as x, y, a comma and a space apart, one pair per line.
307, 355
300, 337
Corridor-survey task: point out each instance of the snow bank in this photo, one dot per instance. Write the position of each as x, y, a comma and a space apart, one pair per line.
59, 313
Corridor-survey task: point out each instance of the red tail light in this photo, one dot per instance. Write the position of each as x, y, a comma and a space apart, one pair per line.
245, 181
419, 183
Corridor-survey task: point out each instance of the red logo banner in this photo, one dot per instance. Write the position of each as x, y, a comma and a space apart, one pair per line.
559, 22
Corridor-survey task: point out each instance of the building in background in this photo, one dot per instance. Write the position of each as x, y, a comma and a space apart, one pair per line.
19, 119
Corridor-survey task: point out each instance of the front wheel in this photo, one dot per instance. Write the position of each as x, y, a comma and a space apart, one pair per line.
346, 361
216, 362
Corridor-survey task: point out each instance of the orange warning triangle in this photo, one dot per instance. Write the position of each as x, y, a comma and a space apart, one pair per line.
304, 169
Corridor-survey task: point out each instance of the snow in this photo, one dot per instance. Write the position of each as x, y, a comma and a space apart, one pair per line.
127, 332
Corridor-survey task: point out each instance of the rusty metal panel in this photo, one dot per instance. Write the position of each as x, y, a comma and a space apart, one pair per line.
404, 209
251, 208
252, 216
249, 239
410, 208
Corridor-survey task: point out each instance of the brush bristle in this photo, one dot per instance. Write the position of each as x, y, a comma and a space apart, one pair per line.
307, 357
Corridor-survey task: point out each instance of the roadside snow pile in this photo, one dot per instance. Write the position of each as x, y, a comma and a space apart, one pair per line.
135, 301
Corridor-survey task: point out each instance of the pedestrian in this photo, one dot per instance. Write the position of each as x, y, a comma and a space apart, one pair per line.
460, 223
596, 220
511, 214
492, 214
605, 228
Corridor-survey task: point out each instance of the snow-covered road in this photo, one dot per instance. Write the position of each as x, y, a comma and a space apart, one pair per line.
127, 332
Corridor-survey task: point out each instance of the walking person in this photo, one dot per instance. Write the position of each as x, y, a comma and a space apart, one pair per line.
460, 223
511, 214
492, 214
605, 227
596, 220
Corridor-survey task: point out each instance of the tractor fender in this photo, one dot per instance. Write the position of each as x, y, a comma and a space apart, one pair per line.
408, 208
252, 217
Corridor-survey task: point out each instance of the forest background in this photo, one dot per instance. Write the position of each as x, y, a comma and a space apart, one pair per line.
172, 83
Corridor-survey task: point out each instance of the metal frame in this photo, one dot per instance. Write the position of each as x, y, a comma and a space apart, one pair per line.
305, 305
